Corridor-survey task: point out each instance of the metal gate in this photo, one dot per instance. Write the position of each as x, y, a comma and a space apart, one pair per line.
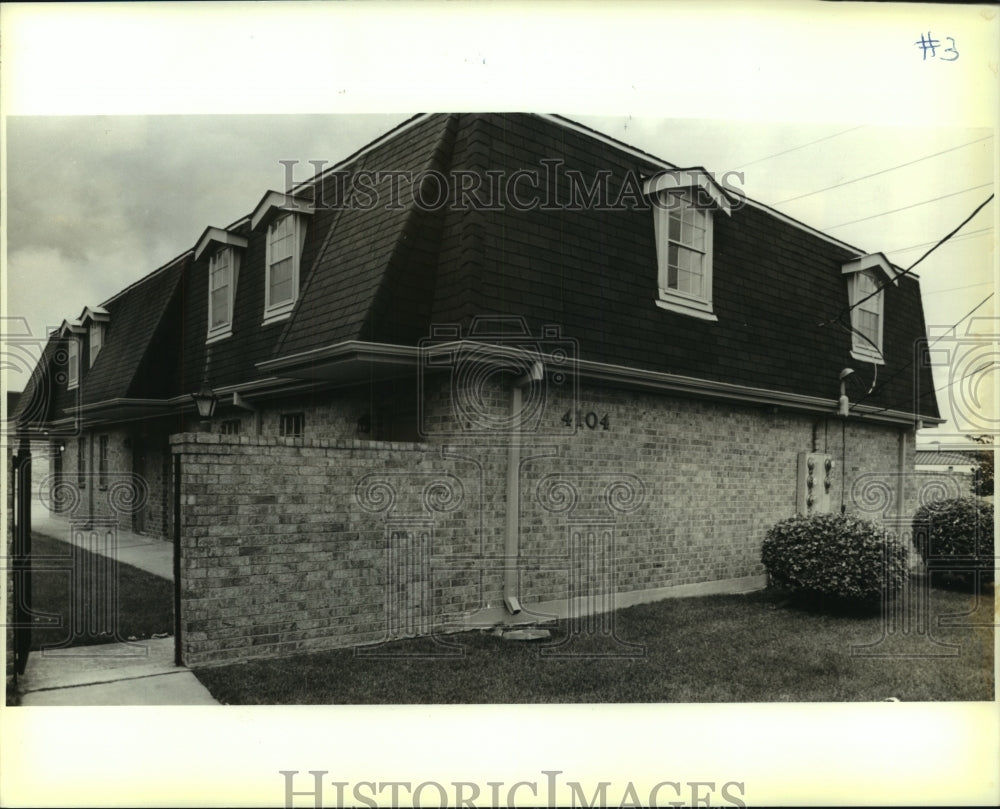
21, 561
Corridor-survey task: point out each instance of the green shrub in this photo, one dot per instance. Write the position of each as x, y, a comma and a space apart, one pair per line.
833, 560
955, 538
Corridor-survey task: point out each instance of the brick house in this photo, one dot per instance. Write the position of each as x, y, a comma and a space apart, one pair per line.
492, 368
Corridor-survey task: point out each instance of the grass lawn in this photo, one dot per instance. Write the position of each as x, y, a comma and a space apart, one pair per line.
145, 601
749, 648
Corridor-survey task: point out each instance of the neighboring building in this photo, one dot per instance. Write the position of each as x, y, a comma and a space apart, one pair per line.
491, 368
951, 461
954, 466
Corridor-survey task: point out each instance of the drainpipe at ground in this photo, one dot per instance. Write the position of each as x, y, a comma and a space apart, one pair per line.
513, 526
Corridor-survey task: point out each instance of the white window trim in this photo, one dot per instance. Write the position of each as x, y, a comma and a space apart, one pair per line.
861, 349
879, 268
223, 330
698, 306
282, 311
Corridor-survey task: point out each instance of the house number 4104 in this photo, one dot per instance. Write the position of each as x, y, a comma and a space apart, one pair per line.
589, 420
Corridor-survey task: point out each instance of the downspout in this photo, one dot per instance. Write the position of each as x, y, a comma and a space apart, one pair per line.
513, 527
901, 495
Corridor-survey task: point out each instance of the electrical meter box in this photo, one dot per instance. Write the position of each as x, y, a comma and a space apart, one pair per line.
815, 479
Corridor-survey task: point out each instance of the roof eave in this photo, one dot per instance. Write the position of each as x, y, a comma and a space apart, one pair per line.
357, 360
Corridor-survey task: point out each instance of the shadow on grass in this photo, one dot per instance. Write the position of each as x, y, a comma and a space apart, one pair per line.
81, 615
744, 648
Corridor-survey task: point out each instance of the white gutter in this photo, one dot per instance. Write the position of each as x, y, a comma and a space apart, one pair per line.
617, 375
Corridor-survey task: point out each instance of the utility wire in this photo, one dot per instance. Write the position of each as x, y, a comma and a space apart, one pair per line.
884, 171
968, 235
907, 207
955, 289
913, 266
951, 328
988, 367
803, 146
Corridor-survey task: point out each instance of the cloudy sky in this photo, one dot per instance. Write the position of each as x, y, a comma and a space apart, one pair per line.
96, 202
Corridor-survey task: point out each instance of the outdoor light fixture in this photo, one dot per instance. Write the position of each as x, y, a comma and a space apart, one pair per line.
205, 400
844, 404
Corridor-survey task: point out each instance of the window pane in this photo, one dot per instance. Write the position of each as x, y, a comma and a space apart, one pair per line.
868, 325
698, 237
672, 277
675, 226
281, 281
281, 272
220, 306
219, 273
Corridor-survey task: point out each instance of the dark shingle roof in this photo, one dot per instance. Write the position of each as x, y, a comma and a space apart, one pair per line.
386, 274
135, 316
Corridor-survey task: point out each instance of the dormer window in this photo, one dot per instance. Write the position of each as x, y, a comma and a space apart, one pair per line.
688, 266
93, 323
684, 202
72, 363
96, 341
284, 218
866, 316
72, 331
866, 278
282, 265
221, 277
223, 273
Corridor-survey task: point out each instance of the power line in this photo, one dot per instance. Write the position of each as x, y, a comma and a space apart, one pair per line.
803, 146
955, 289
900, 370
907, 207
988, 367
884, 171
968, 235
913, 266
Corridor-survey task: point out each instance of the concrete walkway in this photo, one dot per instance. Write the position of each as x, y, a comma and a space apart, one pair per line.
147, 553
136, 673
139, 673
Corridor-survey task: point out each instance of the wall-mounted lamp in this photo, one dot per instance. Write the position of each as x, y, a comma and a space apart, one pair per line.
62, 448
844, 404
205, 400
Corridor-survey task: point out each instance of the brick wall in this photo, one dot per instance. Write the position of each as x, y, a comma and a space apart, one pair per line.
134, 490
301, 544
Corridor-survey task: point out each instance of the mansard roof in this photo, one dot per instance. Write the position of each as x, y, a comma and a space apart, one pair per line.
385, 260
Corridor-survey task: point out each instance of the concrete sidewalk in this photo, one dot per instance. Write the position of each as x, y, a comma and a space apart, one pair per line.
147, 553
135, 673
139, 673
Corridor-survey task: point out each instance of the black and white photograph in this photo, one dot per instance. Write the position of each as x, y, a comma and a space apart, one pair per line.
486, 419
